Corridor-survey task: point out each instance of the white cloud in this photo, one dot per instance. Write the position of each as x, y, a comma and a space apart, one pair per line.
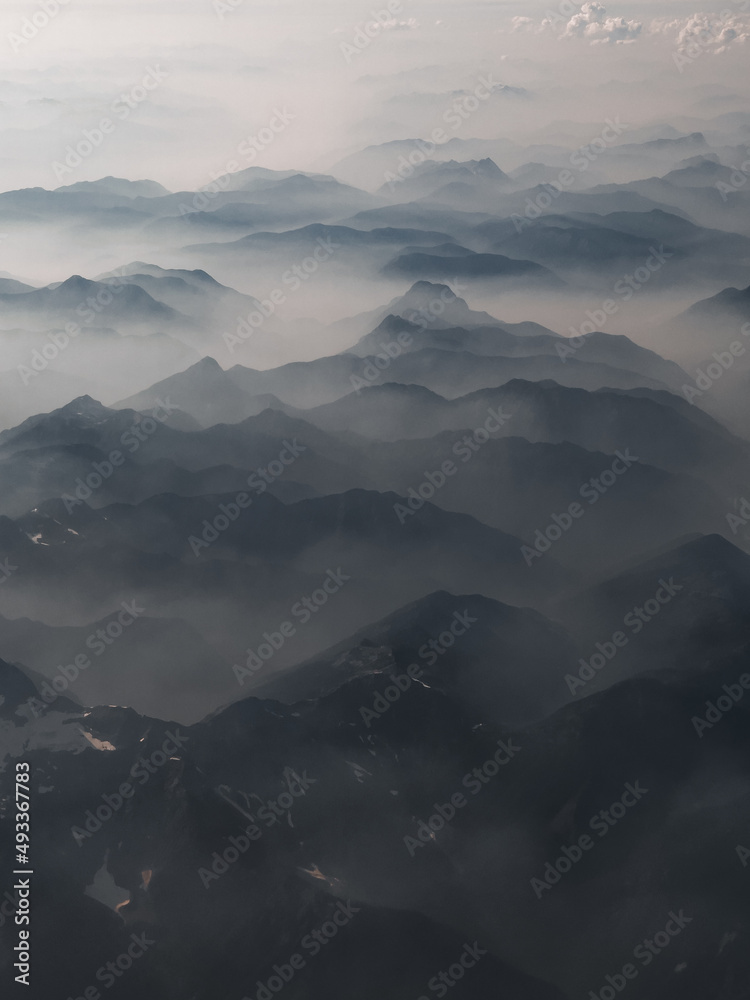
594, 25
522, 24
712, 32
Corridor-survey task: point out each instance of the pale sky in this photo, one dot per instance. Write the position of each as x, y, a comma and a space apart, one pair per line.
229, 67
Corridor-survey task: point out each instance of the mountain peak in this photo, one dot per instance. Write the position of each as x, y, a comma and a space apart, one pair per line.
419, 287
206, 364
75, 283
119, 186
83, 406
489, 167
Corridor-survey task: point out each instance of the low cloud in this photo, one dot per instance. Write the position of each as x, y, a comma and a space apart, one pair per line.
522, 24
712, 32
592, 24
595, 25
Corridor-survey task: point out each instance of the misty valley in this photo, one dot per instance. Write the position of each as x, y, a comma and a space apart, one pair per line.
375, 506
